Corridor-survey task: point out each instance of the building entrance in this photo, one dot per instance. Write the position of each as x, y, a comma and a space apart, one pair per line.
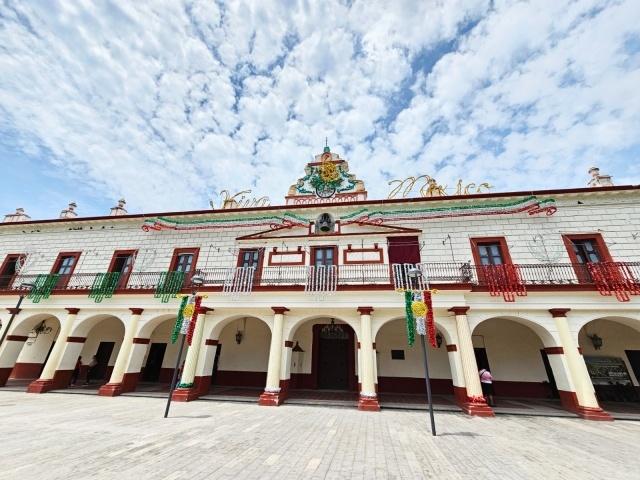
335, 365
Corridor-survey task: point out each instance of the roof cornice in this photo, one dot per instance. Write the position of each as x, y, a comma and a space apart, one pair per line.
395, 201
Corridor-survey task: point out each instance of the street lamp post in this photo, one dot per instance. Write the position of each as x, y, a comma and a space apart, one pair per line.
15, 311
415, 274
196, 282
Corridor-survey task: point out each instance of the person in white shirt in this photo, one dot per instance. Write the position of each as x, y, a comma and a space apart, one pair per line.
486, 381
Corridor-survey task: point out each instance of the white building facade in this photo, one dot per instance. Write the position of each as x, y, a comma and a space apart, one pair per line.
540, 287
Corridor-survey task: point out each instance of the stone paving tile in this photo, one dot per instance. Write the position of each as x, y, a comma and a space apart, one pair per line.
56, 436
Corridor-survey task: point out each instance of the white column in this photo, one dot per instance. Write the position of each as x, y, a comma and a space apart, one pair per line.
63, 357
476, 405
588, 406
271, 395
114, 386
191, 360
9, 352
368, 398
285, 368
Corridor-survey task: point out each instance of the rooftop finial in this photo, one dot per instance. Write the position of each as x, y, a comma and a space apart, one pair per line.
326, 145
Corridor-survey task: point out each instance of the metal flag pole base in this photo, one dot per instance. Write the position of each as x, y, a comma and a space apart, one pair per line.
175, 376
428, 381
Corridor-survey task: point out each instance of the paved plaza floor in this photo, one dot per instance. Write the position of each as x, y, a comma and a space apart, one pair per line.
58, 436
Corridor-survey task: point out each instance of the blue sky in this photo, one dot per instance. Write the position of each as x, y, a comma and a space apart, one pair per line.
167, 103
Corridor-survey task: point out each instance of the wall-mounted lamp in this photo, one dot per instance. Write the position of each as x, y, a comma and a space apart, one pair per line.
596, 341
439, 339
240, 333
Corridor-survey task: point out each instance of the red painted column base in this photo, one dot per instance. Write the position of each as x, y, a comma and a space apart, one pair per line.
598, 414
130, 382
40, 386
202, 385
110, 390
4, 375
270, 399
284, 389
477, 407
60, 380
368, 404
184, 394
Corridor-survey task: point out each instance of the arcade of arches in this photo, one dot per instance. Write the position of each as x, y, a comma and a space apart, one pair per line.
582, 371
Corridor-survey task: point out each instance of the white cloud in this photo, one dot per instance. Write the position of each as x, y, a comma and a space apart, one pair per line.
167, 102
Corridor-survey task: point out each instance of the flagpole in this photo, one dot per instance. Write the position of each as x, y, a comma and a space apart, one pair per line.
175, 376
414, 275
428, 381
196, 281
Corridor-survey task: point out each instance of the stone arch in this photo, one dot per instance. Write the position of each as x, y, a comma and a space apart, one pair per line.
214, 328
295, 323
404, 373
148, 325
244, 363
103, 335
513, 348
448, 335
34, 352
611, 349
306, 366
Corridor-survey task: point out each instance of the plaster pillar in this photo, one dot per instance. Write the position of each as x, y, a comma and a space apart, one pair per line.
114, 386
587, 405
186, 390
368, 400
285, 369
202, 381
272, 395
457, 374
475, 403
59, 368
9, 351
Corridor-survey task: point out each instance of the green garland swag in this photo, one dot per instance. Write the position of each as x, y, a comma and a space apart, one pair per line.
179, 320
169, 285
43, 285
104, 285
410, 319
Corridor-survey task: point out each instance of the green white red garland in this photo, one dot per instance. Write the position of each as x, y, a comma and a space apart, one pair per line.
419, 316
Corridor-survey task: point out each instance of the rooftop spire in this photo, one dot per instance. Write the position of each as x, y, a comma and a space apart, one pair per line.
326, 145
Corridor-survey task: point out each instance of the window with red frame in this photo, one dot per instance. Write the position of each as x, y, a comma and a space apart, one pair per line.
184, 260
122, 262
9, 267
585, 250
64, 266
490, 251
249, 258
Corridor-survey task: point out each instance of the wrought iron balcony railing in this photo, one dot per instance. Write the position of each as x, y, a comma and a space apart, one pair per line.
610, 278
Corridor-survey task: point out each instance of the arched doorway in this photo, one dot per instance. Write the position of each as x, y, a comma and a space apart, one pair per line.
324, 362
103, 337
611, 351
513, 350
400, 367
241, 358
26, 349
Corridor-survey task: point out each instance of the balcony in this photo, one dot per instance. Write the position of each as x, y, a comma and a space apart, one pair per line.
609, 278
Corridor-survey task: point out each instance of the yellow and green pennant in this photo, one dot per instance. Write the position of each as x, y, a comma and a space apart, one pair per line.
177, 328
43, 285
104, 285
169, 284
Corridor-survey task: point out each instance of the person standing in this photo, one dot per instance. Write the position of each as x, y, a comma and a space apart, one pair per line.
76, 371
92, 367
486, 381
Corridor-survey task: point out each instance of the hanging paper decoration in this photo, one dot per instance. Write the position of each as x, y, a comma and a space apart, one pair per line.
532, 205
178, 326
169, 285
614, 278
194, 318
503, 280
419, 316
43, 285
104, 285
271, 221
431, 324
410, 320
